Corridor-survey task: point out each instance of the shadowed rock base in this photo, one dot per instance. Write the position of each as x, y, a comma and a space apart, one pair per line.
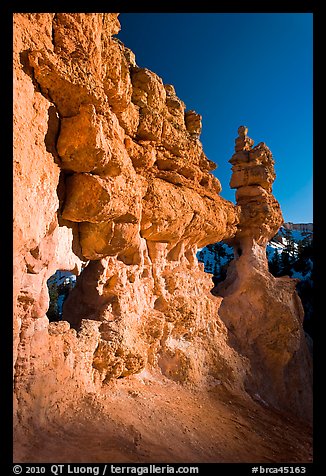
149, 419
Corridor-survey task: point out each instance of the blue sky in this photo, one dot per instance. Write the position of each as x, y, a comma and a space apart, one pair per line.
252, 69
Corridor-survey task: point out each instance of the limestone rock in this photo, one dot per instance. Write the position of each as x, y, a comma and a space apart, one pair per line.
150, 125
263, 314
111, 182
116, 237
94, 199
116, 77
193, 123
89, 142
253, 176
172, 213
148, 89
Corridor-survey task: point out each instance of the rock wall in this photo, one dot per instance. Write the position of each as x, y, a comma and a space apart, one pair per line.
110, 177
299, 226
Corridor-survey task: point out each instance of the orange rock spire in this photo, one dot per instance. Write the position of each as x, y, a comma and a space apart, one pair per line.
253, 175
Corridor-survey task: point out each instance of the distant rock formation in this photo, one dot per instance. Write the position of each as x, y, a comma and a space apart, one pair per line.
110, 177
299, 226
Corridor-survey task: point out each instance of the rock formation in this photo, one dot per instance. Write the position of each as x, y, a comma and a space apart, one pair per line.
263, 314
305, 227
110, 177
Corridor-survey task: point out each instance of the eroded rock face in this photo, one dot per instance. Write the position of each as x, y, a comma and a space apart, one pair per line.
110, 176
113, 172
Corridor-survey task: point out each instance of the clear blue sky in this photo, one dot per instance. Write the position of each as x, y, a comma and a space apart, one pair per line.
252, 69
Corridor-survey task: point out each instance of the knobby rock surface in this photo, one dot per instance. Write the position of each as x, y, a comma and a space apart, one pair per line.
111, 183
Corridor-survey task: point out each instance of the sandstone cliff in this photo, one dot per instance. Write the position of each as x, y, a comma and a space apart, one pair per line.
299, 226
110, 177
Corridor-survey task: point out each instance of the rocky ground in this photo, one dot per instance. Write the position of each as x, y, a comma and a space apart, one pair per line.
147, 419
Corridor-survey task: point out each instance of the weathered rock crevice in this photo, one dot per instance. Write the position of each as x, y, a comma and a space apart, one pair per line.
111, 178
